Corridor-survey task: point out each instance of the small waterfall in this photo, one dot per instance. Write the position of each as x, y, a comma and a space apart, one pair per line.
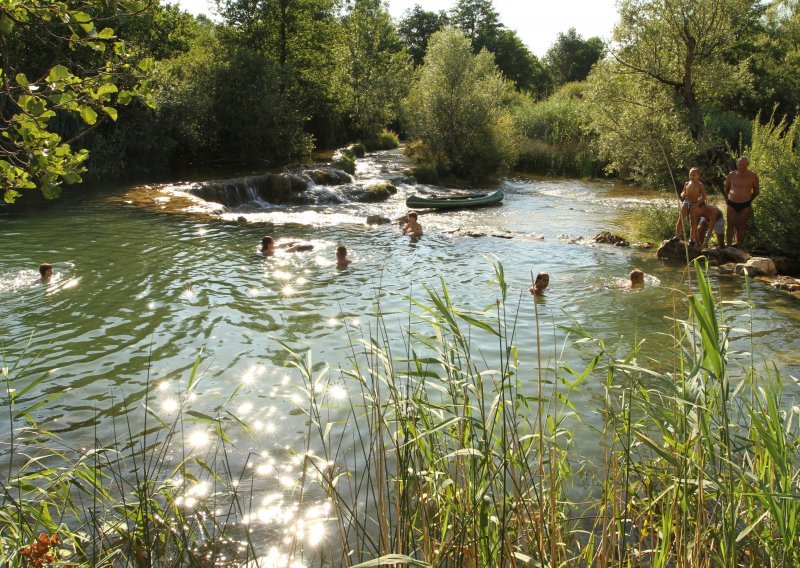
309, 186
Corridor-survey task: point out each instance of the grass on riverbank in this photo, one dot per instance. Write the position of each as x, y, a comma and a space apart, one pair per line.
439, 459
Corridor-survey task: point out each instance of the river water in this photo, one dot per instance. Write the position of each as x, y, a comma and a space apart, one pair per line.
143, 288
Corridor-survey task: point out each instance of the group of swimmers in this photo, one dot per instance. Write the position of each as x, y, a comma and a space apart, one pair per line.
542, 281
268, 247
268, 244
740, 189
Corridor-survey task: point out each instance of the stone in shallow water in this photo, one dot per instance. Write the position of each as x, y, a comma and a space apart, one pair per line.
377, 220
608, 238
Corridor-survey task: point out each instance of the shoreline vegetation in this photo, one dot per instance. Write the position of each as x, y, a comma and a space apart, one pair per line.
418, 454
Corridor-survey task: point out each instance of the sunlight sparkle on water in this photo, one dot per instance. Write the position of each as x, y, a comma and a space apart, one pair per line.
188, 294
333, 322
199, 439
252, 373
170, 405
288, 291
202, 231
300, 281
281, 275
337, 392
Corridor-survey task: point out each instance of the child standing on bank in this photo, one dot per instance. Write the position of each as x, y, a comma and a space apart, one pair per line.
693, 195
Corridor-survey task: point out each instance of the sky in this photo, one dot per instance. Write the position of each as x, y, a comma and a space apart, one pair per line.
537, 22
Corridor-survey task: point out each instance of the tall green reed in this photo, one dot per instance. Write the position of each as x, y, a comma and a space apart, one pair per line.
431, 451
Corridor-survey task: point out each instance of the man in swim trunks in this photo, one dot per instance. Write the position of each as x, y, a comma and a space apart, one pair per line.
741, 188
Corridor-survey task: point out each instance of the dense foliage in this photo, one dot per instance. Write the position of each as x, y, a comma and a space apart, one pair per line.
775, 151
62, 70
680, 86
557, 132
456, 108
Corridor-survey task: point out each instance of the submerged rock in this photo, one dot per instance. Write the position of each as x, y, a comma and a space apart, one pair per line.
377, 220
328, 176
787, 283
608, 238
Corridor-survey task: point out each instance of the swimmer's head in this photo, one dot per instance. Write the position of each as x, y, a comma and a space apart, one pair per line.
46, 270
540, 284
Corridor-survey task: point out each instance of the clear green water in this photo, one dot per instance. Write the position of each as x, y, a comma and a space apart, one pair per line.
139, 293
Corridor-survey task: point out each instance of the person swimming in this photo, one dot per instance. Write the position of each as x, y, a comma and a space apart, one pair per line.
268, 246
637, 278
413, 227
45, 272
341, 257
540, 284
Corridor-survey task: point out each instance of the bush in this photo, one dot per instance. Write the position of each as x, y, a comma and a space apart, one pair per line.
776, 160
457, 109
426, 173
345, 163
386, 140
654, 223
359, 150
556, 129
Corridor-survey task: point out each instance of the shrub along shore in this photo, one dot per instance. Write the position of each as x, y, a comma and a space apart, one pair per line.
431, 458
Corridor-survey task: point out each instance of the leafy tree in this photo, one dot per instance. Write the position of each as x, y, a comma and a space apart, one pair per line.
224, 102
519, 65
162, 32
456, 109
480, 22
682, 46
59, 61
416, 27
638, 129
377, 66
304, 38
774, 60
571, 57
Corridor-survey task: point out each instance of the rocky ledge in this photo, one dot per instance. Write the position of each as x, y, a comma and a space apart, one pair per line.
779, 271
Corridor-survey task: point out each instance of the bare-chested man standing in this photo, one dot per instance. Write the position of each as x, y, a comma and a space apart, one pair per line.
741, 188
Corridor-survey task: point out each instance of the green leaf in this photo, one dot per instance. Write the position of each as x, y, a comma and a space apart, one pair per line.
84, 20
88, 115
71, 178
6, 24
390, 560
111, 111
106, 33
57, 73
132, 5
10, 195
22, 80
106, 88
124, 97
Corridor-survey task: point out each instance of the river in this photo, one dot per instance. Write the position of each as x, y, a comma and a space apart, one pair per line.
141, 291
